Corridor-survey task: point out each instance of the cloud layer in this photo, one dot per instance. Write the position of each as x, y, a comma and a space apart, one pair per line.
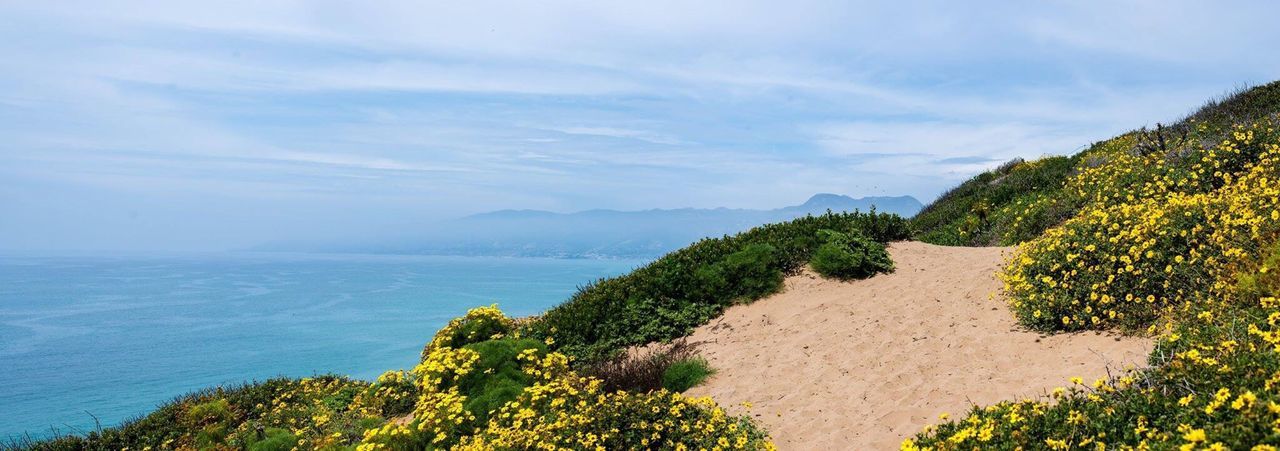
214, 125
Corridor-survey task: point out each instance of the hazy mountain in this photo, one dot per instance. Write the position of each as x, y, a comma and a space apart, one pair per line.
600, 233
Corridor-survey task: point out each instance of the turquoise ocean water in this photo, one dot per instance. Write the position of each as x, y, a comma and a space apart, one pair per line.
111, 337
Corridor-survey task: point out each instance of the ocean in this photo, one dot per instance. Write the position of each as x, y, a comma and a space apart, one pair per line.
88, 340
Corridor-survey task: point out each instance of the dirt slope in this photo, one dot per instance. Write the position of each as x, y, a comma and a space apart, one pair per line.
865, 364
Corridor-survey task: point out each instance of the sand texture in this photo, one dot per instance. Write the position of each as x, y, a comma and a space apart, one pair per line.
864, 364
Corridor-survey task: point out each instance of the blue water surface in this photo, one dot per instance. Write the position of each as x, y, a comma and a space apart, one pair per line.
85, 337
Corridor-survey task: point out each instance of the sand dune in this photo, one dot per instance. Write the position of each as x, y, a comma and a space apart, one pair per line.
865, 364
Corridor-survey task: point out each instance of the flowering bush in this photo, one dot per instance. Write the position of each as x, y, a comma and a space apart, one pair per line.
479, 324
316, 412
1177, 243
1137, 248
1218, 387
479, 386
392, 395
617, 420
1020, 200
511, 393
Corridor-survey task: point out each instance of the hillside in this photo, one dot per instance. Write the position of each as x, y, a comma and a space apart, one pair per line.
1172, 232
1021, 199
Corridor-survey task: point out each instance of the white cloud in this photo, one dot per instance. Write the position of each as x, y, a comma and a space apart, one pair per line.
941, 140
466, 106
616, 132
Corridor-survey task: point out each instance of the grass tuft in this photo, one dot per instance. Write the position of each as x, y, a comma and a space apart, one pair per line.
686, 374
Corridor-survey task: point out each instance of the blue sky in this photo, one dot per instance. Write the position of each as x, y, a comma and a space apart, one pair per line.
214, 125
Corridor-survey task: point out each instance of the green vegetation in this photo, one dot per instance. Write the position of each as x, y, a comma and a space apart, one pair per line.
211, 420
686, 374
392, 395
274, 439
744, 275
850, 256
512, 393
469, 330
1242, 106
1173, 232
1020, 200
499, 378
667, 298
230, 418
973, 214
1261, 279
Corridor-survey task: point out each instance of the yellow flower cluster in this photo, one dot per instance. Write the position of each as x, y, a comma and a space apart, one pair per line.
479, 324
573, 413
314, 411
558, 409
392, 393
478, 386
1202, 398
1184, 242
1151, 235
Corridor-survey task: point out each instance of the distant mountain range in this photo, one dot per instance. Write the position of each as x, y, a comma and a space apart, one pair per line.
600, 233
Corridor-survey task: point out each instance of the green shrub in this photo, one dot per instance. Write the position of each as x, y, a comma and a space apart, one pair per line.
1262, 278
480, 324
498, 377
393, 394
275, 439
748, 274
850, 256
340, 400
212, 412
666, 299
970, 214
686, 374
211, 420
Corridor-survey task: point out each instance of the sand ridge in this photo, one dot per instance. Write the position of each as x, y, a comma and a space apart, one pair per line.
865, 364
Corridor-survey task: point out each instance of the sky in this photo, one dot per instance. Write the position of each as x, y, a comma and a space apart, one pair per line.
174, 125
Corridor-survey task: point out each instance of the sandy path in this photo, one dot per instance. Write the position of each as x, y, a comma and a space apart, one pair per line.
865, 364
